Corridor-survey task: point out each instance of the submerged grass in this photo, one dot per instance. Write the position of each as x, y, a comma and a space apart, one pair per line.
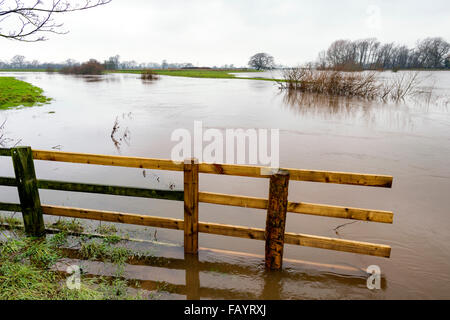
104, 251
27, 269
14, 93
68, 225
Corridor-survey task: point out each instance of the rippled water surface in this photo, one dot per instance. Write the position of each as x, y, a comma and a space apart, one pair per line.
409, 140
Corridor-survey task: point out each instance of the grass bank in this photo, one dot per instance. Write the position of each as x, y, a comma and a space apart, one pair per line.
14, 93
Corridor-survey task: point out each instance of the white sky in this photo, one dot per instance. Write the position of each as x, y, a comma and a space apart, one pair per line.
217, 32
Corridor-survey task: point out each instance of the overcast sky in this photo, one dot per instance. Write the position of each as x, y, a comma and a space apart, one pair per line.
217, 32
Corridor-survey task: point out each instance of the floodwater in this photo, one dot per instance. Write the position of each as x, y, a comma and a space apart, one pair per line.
408, 140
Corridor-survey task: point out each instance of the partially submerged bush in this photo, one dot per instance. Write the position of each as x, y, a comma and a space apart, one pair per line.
92, 67
149, 74
349, 84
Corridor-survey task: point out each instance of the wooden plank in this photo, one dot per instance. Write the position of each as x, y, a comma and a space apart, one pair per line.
232, 200
112, 190
106, 160
28, 191
112, 216
300, 207
226, 169
13, 207
191, 206
231, 231
5, 152
371, 180
338, 244
299, 239
341, 212
276, 219
9, 182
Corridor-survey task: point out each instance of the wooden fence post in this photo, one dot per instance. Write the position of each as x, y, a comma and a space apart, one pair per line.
28, 191
191, 206
276, 219
192, 277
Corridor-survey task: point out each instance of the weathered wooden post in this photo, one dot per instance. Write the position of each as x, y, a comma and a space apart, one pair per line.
192, 277
191, 206
276, 219
28, 191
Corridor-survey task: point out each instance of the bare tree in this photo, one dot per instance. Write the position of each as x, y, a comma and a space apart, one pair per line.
262, 61
371, 54
18, 61
29, 20
432, 52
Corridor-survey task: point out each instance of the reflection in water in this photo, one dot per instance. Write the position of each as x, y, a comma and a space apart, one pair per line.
231, 275
348, 109
319, 103
117, 137
96, 78
148, 81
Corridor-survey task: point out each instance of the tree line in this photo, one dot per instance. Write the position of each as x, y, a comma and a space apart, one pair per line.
371, 54
112, 63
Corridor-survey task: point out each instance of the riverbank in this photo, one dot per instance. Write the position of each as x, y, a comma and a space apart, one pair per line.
14, 93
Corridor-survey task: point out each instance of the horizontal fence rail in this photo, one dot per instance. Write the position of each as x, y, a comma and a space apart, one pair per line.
111, 190
299, 207
191, 197
225, 169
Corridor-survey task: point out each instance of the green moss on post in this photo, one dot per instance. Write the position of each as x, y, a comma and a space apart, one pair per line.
28, 191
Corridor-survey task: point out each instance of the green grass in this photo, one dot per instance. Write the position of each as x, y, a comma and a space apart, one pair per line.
104, 251
189, 73
11, 221
27, 270
193, 73
14, 93
68, 225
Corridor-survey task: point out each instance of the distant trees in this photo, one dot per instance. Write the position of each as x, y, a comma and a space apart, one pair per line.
112, 63
18, 62
371, 54
92, 67
261, 61
27, 20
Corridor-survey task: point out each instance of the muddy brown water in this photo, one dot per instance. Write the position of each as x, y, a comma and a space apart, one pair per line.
409, 140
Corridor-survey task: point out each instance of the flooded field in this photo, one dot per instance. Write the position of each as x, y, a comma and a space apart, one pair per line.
408, 140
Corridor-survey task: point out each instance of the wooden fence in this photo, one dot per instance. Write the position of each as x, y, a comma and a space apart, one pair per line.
277, 205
